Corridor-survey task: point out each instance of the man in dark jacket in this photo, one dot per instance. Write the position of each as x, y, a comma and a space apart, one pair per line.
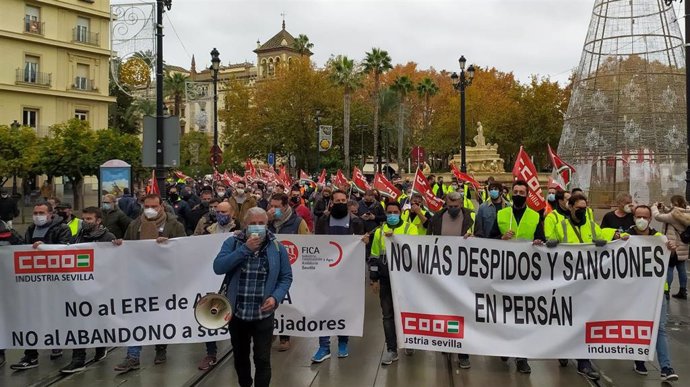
8, 208
180, 207
338, 221
198, 211
92, 231
129, 204
113, 218
282, 219
323, 204
154, 223
454, 219
49, 229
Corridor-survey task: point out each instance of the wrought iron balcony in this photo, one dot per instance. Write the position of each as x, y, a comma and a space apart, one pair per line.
83, 35
33, 26
84, 84
25, 76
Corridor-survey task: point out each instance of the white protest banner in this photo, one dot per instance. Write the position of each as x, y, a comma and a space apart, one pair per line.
141, 293
510, 298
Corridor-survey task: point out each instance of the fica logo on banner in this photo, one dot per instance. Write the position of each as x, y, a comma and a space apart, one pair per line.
313, 256
436, 330
54, 266
619, 336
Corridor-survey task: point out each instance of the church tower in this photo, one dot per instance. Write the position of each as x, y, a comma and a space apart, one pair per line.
279, 49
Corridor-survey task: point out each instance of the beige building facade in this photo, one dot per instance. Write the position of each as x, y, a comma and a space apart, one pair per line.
55, 62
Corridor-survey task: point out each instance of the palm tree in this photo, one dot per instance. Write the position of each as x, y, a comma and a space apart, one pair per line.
402, 86
174, 86
377, 61
427, 89
303, 45
344, 72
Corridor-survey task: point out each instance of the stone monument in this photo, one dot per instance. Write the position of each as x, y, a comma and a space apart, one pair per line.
482, 158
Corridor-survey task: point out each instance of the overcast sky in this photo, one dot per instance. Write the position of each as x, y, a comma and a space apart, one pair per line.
527, 37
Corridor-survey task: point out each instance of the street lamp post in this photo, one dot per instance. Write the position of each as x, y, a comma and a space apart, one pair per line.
15, 125
215, 66
317, 120
460, 83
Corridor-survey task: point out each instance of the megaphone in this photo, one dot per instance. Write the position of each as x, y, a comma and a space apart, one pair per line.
213, 311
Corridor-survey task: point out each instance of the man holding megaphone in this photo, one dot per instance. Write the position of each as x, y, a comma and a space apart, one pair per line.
259, 278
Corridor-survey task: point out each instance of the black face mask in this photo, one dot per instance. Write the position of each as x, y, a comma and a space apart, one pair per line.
294, 199
519, 201
173, 197
204, 204
339, 210
454, 212
62, 214
580, 216
186, 195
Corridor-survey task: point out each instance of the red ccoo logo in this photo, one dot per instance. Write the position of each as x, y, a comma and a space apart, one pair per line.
56, 261
433, 325
619, 332
292, 250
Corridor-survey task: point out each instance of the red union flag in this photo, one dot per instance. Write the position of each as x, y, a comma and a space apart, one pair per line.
340, 180
619, 332
421, 186
322, 176
304, 177
563, 169
385, 187
464, 177
525, 170
55, 261
249, 170
359, 180
433, 325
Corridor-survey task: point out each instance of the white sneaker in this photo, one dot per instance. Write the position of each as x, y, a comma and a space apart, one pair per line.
389, 357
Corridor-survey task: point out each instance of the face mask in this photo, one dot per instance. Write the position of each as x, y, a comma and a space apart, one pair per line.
62, 214
494, 194
150, 213
173, 196
4, 196
107, 206
88, 226
454, 212
186, 195
393, 219
278, 213
551, 198
628, 209
240, 191
204, 204
581, 214
258, 229
455, 186
220, 193
519, 201
223, 220
294, 199
339, 210
641, 224
40, 220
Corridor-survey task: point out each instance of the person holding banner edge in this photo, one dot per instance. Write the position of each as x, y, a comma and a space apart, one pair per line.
337, 221
379, 278
642, 216
522, 223
579, 227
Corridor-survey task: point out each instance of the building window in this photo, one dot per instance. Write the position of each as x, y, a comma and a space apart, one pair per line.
81, 81
30, 118
31, 69
82, 30
32, 20
82, 115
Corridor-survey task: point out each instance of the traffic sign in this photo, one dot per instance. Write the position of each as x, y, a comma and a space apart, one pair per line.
418, 154
271, 159
216, 159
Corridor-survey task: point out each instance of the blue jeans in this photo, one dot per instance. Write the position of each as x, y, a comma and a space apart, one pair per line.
682, 274
135, 351
325, 341
661, 342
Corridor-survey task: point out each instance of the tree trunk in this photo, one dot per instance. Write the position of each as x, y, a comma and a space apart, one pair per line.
346, 130
78, 192
401, 129
376, 121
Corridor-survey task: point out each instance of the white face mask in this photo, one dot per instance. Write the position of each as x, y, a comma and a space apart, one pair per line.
40, 220
641, 224
628, 209
150, 213
240, 191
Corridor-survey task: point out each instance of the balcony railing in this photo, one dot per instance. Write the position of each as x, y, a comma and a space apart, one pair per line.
33, 26
82, 35
84, 84
33, 77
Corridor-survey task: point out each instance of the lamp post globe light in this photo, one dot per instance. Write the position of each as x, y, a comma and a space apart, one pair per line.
461, 82
215, 66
